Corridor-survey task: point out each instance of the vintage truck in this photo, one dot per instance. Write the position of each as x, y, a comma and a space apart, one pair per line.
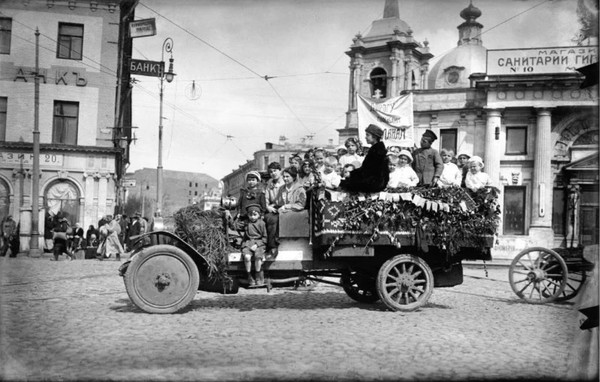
390, 246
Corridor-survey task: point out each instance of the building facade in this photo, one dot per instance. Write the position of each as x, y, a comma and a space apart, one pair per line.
535, 128
81, 153
181, 188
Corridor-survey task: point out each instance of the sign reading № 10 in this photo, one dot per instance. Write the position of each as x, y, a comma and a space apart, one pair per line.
539, 60
146, 68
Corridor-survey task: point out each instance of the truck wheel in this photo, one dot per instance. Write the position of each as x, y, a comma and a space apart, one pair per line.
405, 282
162, 279
359, 287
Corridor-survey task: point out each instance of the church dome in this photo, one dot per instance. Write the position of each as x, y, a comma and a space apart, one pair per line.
454, 68
470, 13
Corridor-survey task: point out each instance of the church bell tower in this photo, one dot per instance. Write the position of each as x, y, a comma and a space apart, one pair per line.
384, 63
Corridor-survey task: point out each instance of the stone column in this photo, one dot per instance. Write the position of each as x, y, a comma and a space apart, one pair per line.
492, 152
541, 190
351, 88
102, 193
393, 83
90, 215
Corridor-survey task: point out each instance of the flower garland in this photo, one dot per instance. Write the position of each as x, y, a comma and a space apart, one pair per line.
447, 218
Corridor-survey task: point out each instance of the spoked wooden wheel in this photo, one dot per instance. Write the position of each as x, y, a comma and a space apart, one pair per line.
359, 287
575, 280
162, 279
538, 275
405, 282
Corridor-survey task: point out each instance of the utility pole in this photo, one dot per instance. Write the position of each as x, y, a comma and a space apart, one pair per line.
34, 250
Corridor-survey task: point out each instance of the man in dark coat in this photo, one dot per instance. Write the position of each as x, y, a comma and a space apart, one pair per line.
373, 175
427, 162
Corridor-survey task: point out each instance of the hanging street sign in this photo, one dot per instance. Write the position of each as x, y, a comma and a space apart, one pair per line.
146, 68
142, 28
128, 183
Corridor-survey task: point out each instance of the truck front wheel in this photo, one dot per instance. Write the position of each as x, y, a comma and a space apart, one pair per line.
162, 279
405, 282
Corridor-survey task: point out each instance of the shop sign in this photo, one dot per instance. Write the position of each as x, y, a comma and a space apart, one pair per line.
146, 68
539, 60
26, 159
142, 28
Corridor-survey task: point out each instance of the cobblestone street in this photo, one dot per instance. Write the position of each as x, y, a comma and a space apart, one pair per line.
74, 321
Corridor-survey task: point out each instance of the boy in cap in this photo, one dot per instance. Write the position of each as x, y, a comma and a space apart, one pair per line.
251, 194
373, 175
427, 163
255, 241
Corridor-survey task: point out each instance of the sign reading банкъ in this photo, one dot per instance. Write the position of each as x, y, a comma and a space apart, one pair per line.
539, 60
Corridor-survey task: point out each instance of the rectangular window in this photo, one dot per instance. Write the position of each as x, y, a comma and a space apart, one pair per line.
195, 193
3, 110
448, 140
66, 116
190, 184
558, 211
70, 41
514, 210
516, 140
5, 34
196, 185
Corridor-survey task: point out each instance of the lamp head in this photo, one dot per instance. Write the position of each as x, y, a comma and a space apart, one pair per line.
169, 76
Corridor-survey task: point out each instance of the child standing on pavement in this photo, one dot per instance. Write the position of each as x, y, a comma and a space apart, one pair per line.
255, 241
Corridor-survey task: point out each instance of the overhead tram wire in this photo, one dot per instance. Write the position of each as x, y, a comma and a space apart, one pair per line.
265, 77
200, 39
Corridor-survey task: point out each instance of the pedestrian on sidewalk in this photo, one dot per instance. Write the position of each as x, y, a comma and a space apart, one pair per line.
60, 240
10, 237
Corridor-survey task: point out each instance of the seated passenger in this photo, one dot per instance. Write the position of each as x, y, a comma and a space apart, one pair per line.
291, 198
330, 178
476, 178
255, 240
373, 175
305, 176
401, 173
451, 175
352, 155
346, 170
319, 159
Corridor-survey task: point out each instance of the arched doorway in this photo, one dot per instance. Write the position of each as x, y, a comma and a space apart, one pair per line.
4, 200
63, 197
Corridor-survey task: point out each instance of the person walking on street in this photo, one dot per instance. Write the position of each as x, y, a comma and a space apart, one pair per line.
60, 240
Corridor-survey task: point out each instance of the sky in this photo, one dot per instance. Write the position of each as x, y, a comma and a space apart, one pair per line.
220, 109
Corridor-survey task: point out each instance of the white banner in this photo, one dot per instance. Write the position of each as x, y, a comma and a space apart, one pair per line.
394, 116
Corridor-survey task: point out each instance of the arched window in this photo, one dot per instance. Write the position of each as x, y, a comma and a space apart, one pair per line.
4, 199
63, 197
378, 79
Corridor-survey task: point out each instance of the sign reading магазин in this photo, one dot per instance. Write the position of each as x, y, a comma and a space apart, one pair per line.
539, 60
26, 159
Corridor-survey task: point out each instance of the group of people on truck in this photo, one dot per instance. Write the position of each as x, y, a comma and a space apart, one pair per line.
260, 204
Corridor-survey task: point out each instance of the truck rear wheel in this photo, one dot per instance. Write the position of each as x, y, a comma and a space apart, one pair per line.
162, 279
359, 287
405, 282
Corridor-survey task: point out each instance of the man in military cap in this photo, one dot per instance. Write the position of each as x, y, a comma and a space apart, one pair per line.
427, 162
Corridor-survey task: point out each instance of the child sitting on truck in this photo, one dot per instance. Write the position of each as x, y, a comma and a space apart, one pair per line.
255, 241
476, 178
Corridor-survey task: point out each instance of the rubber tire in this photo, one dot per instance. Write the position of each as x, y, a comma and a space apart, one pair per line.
360, 293
141, 289
512, 271
385, 292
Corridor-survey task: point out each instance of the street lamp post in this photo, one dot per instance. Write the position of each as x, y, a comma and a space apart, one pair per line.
167, 47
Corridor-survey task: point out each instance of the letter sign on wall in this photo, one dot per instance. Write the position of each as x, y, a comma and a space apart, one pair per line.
146, 68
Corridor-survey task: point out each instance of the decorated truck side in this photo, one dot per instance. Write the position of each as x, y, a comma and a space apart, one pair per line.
393, 246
